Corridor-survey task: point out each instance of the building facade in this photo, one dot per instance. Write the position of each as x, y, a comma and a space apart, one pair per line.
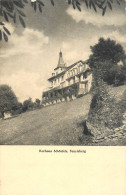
67, 83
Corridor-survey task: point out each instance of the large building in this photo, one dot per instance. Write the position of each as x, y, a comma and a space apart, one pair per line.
67, 82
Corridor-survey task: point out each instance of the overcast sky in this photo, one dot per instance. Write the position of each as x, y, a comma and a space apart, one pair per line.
28, 59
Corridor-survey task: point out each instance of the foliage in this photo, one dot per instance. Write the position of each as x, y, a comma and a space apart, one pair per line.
106, 50
17, 109
28, 105
94, 4
11, 10
37, 101
104, 62
37, 104
8, 100
116, 75
104, 110
69, 91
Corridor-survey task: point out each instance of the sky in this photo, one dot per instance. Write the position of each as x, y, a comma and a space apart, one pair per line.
28, 59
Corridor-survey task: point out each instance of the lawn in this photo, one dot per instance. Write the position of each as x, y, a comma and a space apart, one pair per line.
59, 124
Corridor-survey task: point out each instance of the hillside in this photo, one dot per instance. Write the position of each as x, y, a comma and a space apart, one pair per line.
59, 124
55, 124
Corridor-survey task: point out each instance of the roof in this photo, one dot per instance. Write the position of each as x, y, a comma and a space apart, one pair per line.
67, 68
61, 63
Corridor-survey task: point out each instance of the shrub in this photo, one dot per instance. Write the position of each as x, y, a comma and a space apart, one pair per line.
105, 110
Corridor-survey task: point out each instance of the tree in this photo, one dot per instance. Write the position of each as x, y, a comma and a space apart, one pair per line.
17, 109
11, 10
8, 100
106, 50
28, 105
116, 75
37, 103
103, 61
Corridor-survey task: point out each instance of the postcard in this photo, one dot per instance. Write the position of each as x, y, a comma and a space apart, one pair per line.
62, 97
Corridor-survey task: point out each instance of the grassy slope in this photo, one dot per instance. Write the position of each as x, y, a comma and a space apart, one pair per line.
55, 124
58, 124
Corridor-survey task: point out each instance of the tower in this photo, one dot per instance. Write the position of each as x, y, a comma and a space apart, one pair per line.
61, 65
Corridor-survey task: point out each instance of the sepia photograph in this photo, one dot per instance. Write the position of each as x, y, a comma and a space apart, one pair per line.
63, 72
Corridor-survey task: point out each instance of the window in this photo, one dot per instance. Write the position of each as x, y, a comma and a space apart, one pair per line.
84, 76
83, 67
62, 78
78, 69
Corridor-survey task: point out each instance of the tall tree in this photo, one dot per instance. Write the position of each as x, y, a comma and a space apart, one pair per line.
8, 99
104, 61
106, 50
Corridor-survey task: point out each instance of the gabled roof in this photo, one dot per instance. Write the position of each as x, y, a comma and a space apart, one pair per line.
67, 68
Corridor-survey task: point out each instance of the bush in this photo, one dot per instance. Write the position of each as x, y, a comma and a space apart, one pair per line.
28, 105
17, 109
105, 110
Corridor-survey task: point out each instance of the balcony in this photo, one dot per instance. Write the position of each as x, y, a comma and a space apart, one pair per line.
76, 73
